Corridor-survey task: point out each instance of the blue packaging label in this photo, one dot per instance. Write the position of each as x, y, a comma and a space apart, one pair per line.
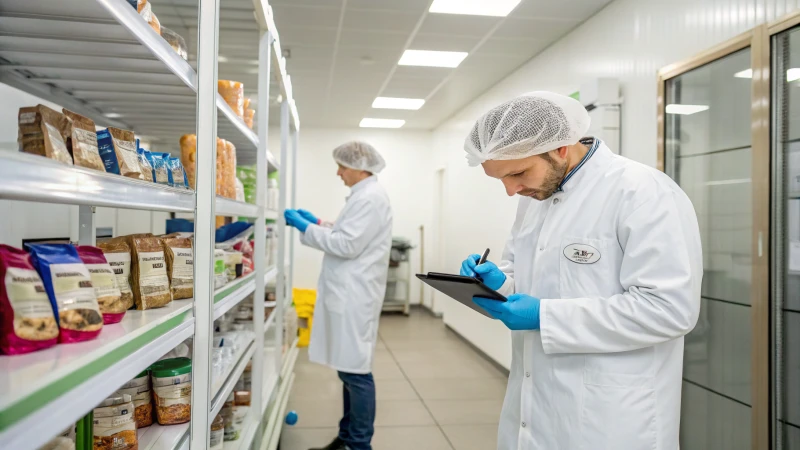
105, 145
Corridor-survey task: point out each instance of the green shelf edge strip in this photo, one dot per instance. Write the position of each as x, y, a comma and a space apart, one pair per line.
235, 286
35, 401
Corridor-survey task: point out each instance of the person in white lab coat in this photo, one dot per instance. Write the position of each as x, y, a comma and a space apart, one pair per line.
602, 272
351, 287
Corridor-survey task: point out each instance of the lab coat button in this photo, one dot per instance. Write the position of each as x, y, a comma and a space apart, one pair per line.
528, 374
523, 424
555, 201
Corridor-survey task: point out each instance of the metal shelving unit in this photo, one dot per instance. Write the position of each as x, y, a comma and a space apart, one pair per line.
99, 58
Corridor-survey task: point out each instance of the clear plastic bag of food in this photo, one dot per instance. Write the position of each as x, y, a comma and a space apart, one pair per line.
118, 255
233, 94
180, 266
175, 41
104, 281
149, 278
69, 288
43, 131
82, 142
26, 316
118, 151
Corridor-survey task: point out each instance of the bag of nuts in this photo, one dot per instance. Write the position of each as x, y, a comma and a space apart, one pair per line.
149, 278
180, 266
82, 142
118, 254
42, 131
104, 281
69, 288
26, 317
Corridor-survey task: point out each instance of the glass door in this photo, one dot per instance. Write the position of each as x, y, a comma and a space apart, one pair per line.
707, 145
785, 57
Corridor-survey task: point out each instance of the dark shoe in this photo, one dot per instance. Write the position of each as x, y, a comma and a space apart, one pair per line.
337, 444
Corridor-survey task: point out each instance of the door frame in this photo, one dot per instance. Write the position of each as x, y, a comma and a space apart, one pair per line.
757, 40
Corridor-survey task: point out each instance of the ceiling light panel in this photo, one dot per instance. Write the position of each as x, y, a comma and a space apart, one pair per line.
381, 123
685, 110
431, 58
398, 103
495, 8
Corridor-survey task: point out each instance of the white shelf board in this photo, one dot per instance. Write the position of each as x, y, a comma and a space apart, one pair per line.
224, 385
164, 437
61, 384
232, 293
270, 275
249, 428
35, 178
232, 208
134, 71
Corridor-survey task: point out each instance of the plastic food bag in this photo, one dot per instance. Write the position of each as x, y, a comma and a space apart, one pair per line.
69, 288
175, 172
175, 41
160, 174
118, 255
180, 266
118, 150
149, 272
249, 115
144, 164
82, 142
26, 317
220, 278
189, 156
229, 166
42, 132
104, 281
233, 94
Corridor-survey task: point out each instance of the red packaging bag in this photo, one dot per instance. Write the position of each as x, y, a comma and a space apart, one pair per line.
104, 281
27, 322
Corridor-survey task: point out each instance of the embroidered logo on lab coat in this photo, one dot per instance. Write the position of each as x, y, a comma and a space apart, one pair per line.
582, 253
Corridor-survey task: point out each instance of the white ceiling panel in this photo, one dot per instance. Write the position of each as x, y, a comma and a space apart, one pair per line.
534, 28
399, 21
339, 64
458, 24
444, 42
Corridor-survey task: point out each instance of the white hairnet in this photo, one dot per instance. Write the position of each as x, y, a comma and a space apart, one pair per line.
531, 124
360, 156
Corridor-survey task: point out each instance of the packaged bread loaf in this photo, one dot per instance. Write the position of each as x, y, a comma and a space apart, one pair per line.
144, 165
180, 268
104, 281
118, 255
233, 94
118, 150
189, 155
249, 115
69, 289
229, 168
82, 142
149, 278
220, 167
26, 317
42, 132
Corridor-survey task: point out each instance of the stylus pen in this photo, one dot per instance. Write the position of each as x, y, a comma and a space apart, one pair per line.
483, 258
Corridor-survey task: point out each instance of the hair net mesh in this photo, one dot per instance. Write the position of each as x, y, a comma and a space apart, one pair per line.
528, 125
360, 156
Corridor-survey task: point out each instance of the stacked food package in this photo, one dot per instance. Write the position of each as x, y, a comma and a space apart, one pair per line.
59, 293
233, 94
145, 10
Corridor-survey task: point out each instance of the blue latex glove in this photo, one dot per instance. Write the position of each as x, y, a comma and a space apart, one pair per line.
294, 219
488, 272
308, 216
520, 312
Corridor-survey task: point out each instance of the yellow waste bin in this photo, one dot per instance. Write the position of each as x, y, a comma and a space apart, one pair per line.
304, 301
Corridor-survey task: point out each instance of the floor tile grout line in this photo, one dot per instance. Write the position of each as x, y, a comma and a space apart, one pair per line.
438, 425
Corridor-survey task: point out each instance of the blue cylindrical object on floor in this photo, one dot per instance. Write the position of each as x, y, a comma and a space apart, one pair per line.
291, 418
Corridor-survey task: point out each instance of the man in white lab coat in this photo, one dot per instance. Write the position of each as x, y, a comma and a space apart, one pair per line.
602, 272
351, 287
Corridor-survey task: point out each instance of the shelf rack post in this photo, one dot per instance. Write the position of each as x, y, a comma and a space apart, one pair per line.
281, 285
207, 36
260, 243
294, 205
87, 234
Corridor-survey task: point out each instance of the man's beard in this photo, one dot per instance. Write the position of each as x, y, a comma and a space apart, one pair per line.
551, 182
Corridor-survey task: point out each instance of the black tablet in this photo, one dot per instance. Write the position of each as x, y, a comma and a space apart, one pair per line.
461, 288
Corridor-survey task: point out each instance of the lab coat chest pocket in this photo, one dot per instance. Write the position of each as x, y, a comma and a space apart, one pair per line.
589, 267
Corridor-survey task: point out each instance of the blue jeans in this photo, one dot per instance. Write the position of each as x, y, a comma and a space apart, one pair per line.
357, 425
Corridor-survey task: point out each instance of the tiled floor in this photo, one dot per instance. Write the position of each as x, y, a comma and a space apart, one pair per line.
434, 392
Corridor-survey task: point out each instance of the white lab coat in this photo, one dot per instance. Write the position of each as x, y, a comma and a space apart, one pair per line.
616, 259
352, 284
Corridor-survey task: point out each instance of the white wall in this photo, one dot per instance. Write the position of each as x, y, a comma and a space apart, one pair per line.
407, 180
629, 40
